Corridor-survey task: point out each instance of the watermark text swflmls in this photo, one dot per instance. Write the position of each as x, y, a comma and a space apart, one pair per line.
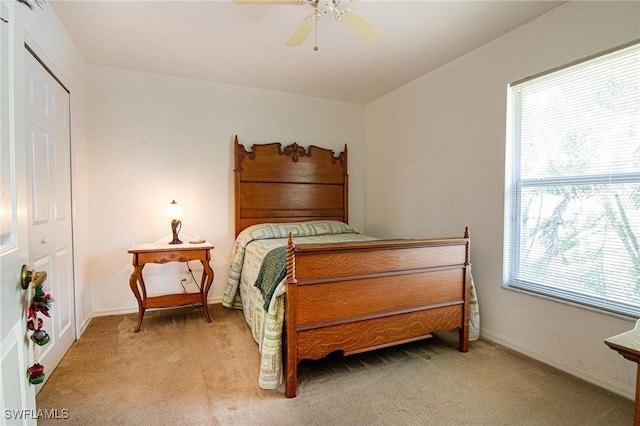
40, 413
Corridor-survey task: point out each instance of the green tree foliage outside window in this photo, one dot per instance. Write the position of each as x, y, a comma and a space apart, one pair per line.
573, 183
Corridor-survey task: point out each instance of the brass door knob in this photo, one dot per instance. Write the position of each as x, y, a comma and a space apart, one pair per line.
29, 276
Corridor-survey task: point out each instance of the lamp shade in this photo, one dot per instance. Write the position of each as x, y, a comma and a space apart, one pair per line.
174, 211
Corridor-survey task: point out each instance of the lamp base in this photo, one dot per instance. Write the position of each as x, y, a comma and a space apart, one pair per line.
176, 225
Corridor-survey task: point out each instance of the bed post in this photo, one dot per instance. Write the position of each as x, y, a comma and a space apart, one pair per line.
345, 186
236, 173
291, 339
463, 337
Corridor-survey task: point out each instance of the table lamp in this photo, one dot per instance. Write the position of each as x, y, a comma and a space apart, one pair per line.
174, 212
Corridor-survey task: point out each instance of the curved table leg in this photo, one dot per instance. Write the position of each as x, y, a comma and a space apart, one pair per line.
136, 277
207, 280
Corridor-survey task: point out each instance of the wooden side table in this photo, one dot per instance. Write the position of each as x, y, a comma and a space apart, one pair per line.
628, 345
165, 253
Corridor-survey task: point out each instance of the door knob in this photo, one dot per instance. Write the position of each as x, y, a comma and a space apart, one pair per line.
29, 276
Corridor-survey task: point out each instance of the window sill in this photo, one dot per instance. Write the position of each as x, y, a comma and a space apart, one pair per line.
572, 304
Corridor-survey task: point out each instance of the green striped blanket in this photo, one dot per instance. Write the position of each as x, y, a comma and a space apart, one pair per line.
272, 271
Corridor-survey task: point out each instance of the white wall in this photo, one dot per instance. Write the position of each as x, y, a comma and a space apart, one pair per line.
156, 138
46, 36
435, 164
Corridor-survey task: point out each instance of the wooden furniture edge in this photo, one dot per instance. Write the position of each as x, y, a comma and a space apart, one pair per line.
627, 344
292, 328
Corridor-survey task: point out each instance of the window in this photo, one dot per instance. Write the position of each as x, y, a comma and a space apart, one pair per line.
572, 214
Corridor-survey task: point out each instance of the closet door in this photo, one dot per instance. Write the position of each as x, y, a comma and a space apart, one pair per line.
49, 194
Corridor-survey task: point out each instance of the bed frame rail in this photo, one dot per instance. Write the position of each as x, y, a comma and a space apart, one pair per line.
358, 297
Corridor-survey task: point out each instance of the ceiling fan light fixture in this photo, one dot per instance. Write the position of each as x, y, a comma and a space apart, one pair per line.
354, 22
325, 7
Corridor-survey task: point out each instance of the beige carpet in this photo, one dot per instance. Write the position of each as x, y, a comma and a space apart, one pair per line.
180, 370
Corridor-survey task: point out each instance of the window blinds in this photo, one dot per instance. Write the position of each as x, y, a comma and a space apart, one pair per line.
573, 183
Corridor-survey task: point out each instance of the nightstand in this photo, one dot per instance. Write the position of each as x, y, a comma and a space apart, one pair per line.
165, 253
627, 344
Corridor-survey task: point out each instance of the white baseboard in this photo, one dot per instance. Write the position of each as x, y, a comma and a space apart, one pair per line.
84, 324
134, 309
603, 382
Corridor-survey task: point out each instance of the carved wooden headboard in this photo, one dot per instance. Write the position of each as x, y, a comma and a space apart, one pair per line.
290, 184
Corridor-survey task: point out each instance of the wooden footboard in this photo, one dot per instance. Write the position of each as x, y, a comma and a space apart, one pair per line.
356, 297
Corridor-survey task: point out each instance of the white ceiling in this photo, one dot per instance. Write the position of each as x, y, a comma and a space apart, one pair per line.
243, 45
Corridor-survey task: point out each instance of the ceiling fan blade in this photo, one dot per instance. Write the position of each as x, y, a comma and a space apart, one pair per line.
301, 32
359, 26
294, 2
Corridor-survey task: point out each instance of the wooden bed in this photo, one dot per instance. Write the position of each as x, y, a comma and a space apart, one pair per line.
347, 297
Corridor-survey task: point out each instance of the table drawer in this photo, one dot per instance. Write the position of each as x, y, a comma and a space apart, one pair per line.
172, 256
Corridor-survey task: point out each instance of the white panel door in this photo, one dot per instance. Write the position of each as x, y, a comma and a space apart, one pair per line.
17, 396
49, 194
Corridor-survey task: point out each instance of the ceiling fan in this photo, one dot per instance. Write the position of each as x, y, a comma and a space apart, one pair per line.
354, 22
